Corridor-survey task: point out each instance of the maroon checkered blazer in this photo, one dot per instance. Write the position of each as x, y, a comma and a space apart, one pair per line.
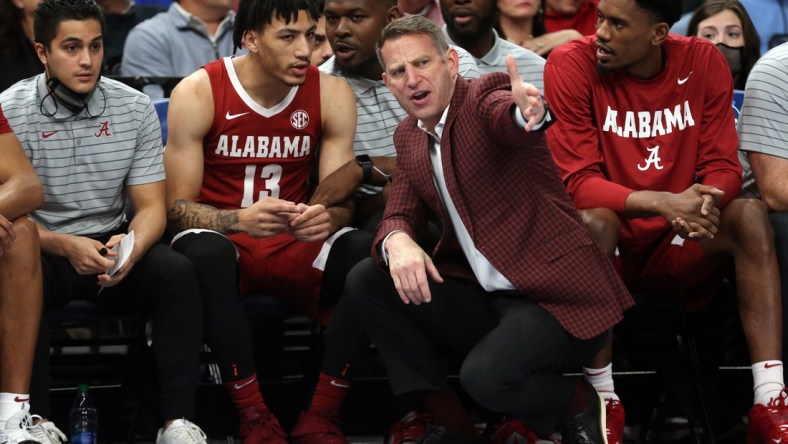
508, 193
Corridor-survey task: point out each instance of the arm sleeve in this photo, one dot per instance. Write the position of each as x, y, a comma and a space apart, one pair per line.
718, 163
496, 106
405, 210
148, 165
764, 115
574, 138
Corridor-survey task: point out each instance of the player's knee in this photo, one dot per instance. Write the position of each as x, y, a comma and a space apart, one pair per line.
355, 244
26, 234
604, 226
750, 221
357, 291
208, 249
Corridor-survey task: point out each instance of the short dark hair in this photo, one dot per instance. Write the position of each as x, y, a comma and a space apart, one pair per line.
50, 13
253, 15
663, 11
410, 25
752, 42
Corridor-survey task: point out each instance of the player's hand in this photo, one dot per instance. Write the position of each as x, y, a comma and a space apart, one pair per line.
106, 280
83, 253
7, 235
267, 217
526, 96
312, 225
409, 266
693, 213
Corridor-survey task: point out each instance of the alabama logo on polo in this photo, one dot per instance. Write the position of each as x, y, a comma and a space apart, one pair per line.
299, 119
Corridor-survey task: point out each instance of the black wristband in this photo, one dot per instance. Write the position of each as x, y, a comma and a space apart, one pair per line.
366, 167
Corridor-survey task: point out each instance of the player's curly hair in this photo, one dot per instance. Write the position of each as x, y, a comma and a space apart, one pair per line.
50, 13
253, 15
663, 11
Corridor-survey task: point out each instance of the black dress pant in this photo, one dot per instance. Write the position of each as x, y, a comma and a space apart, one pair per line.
515, 351
163, 285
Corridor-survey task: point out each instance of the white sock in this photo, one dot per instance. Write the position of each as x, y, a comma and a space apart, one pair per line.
11, 403
602, 380
767, 379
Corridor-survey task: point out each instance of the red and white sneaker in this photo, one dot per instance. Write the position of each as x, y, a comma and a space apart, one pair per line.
513, 431
410, 429
616, 418
769, 423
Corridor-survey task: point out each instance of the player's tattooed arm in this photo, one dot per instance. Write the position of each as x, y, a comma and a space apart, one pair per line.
185, 214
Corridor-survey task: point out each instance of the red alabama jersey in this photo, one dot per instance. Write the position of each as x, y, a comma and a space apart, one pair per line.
252, 152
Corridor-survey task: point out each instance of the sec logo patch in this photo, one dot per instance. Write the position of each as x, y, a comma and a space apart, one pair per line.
299, 119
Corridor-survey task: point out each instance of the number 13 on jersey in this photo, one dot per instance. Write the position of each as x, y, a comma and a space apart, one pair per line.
271, 174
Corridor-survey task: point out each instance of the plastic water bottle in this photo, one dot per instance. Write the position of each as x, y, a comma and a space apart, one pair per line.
84, 418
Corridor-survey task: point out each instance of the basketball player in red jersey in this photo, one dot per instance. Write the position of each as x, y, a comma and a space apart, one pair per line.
244, 133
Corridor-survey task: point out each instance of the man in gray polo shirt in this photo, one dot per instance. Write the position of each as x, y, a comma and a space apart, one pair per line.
763, 149
93, 142
179, 41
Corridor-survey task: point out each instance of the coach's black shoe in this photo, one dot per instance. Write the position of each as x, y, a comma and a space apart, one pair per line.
441, 435
588, 425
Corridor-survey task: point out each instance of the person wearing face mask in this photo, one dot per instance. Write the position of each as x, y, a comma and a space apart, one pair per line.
727, 24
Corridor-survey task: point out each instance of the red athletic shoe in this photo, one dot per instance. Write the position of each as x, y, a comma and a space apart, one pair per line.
261, 427
615, 417
513, 431
410, 429
314, 429
769, 423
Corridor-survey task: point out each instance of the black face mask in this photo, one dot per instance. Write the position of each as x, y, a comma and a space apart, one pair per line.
734, 56
74, 101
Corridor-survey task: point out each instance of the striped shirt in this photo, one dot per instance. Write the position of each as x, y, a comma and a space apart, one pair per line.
529, 64
86, 161
763, 123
